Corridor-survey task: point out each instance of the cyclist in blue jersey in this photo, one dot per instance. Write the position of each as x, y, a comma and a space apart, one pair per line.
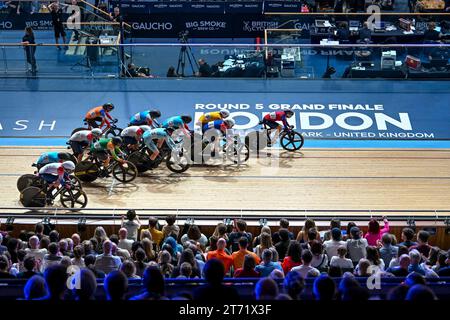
159, 134
178, 122
147, 117
52, 157
221, 125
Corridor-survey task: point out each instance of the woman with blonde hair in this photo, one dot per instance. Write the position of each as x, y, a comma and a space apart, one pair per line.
221, 231
266, 243
147, 245
302, 236
164, 263
145, 234
257, 239
100, 236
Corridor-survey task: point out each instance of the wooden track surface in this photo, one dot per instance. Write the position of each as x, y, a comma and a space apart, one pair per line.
319, 179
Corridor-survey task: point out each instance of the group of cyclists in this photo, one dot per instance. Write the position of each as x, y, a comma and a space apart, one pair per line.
143, 127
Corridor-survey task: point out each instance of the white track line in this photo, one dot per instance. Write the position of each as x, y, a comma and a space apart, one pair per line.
112, 186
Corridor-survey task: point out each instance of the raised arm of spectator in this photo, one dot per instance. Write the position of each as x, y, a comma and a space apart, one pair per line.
385, 229
138, 221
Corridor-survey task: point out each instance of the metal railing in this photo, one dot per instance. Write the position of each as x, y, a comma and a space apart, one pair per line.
295, 215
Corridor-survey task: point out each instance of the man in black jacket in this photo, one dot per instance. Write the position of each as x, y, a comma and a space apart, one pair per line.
204, 69
57, 20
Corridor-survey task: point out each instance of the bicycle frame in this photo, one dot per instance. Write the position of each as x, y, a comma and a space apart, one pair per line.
269, 131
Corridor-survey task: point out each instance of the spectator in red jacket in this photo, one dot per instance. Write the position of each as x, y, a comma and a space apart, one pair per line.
293, 257
248, 269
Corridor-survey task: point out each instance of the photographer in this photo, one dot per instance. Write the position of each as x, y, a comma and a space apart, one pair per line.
204, 69
134, 72
57, 20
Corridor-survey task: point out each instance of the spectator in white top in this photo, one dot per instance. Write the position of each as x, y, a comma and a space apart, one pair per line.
356, 245
305, 267
194, 234
132, 224
34, 250
341, 261
124, 242
332, 245
106, 262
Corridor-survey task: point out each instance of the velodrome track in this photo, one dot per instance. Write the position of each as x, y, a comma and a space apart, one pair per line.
313, 179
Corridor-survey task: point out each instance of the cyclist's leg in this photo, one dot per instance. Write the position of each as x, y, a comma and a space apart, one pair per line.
107, 161
103, 157
160, 143
52, 182
91, 123
273, 125
153, 148
170, 142
77, 149
84, 148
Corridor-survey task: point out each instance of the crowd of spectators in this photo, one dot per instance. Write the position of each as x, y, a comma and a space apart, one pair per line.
18, 7
154, 254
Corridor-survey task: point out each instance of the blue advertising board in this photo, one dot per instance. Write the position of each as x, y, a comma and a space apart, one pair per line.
344, 114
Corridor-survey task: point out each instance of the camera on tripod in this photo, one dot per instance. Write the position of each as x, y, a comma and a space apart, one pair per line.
186, 55
183, 36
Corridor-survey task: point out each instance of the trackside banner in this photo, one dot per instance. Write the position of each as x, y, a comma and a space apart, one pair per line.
320, 116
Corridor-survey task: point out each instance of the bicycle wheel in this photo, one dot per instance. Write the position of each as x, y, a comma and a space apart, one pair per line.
73, 198
86, 171
238, 153
28, 180
141, 160
78, 129
178, 163
124, 174
32, 197
291, 140
76, 183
